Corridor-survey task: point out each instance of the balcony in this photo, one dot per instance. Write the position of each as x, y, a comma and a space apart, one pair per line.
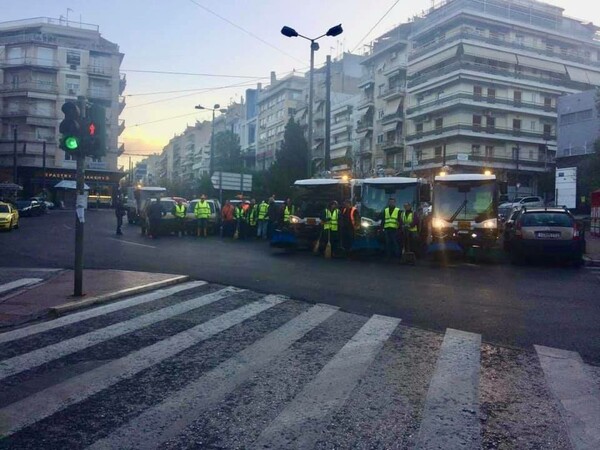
484, 161
121, 126
121, 149
121, 104
39, 63
458, 97
395, 117
366, 102
100, 71
503, 133
319, 135
102, 93
122, 83
363, 126
366, 81
391, 145
393, 92
36, 86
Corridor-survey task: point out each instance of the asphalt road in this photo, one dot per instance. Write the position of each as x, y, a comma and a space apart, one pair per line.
546, 305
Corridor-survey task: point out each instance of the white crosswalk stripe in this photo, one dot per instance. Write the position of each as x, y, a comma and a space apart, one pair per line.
18, 284
43, 355
274, 338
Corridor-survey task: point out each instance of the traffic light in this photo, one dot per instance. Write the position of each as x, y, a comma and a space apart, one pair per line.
70, 128
94, 131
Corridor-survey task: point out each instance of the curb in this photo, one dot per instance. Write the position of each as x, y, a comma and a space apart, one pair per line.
591, 262
80, 304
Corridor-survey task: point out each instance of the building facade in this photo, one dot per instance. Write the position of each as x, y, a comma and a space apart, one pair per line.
578, 124
44, 63
484, 77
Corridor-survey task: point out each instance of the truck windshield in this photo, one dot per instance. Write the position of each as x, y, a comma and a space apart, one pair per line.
312, 200
375, 198
466, 200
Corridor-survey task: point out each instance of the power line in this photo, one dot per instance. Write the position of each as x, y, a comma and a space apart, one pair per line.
166, 118
244, 30
162, 72
373, 27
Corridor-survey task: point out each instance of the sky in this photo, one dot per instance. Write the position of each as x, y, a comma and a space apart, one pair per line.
183, 36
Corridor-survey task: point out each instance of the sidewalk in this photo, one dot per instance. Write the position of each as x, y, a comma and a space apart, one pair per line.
54, 296
592, 245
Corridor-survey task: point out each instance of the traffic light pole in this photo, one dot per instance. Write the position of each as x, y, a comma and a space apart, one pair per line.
79, 211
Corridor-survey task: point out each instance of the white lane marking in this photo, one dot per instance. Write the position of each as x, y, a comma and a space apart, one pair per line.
43, 355
182, 408
101, 310
131, 243
577, 393
329, 390
18, 283
451, 412
44, 403
67, 227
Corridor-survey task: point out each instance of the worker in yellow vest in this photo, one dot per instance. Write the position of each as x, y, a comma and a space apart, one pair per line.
202, 213
409, 229
390, 222
288, 210
179, 213
262, 220
331, 227
252, 218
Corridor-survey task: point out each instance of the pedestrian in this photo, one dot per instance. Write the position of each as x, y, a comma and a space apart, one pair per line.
202, 213
288, 210
252, 217
409, 229
349, 223
154, 213
391, 225
263, 220
272, 217
331, 221
239, 221
179, 210
228, 220
119, 211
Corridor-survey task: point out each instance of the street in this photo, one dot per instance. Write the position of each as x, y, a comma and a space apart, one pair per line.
270, 350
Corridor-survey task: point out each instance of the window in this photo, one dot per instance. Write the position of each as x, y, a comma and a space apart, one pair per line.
490, 123
438, 151
381, 89
491, 94
531, 154
380, 113
73, 58
380, 138
419, 127
533, 125
547, 130
69, 157
439, 123
515, 153
517, 97
476, 123
475, 149
489, 151
477, 92
520, 39
516, 125
547, 102
480, 31
72, 84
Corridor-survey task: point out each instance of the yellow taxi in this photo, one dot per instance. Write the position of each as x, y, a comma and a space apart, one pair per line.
9, 217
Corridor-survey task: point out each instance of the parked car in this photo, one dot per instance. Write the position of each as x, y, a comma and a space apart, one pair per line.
519, 202
29, 208
214, 220
137, 197
544, 232
49, 204
9, 217
167, 223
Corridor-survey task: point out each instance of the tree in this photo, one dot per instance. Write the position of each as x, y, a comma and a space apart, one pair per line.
227, 152
291, 162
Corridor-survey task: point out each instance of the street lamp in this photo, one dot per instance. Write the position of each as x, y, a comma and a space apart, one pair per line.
212, 134
290, 32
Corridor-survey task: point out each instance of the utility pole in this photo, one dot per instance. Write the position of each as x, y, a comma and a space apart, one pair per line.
44, 168
313, 47
15, 173
328, 115
80, 210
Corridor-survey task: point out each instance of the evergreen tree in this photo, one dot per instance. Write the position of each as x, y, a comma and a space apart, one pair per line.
291, 162
227, 152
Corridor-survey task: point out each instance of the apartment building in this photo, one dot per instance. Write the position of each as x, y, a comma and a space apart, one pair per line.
484, 77
344, 142
44, 63
578, 124
380, 127
277, 103
149, 167
249, 127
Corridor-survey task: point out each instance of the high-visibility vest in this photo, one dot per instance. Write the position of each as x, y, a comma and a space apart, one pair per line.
332, 220
391, 220
263, 209
239, 213
252, 211
352, 211
287, 212
407, 219
180, 211
202, 210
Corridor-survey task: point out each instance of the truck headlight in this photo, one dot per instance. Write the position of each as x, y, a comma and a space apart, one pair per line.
490, 224
438, 223
365, 222
295, 219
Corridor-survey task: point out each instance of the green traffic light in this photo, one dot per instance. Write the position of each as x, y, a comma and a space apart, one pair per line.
71, 143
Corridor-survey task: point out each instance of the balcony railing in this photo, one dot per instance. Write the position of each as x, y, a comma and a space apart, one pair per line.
364, 125
482, 129
486, 160
510, 43
366, 102
457, 97
122, 83
28, 61
393, 91
391, 144
41, 86
395, 117
121, 148
560, 80
105, 71
100, 93
122, 104
121, 126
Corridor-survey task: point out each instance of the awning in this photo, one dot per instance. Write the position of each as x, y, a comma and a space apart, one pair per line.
431, 60
541, 64
391, 107
488, 53
594, 77
577, 74
70, 184
389, 127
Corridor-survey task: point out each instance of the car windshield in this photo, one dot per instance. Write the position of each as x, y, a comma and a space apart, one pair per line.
312, 200
4, 209
23, 203
468, 200
375, 198
546, 219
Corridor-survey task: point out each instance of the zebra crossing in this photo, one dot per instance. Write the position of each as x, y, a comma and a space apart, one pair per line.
202, 365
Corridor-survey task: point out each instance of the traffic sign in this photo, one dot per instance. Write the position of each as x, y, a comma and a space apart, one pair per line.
229, 181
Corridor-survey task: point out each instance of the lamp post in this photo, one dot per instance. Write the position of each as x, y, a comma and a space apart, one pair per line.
314, 46
211, 163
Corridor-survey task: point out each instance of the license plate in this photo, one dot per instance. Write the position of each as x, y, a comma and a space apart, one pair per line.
547, 235
311, 221
464, 225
